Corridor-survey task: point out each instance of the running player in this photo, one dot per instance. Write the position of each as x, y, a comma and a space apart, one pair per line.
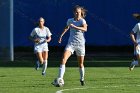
41, 35
136, 41
76, 42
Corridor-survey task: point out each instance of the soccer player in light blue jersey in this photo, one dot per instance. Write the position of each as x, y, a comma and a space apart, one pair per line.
135, 37
41, 35
76, 42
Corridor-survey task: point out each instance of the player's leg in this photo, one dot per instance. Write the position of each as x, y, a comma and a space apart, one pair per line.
133, 63
65, 57
81, 68
136, 60
37, 64
38, 52
40, 57
45, 57
45, 63
80, 52
67, 53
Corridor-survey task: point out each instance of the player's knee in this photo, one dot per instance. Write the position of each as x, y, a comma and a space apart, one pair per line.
41, 61
64, 60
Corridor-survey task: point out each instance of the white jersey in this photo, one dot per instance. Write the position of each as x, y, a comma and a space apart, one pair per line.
136, 30
76, 36
41, 33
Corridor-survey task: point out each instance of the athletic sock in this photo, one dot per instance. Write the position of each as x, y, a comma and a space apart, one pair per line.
37, 64
61, 71
82, 73
135, 63
44, 66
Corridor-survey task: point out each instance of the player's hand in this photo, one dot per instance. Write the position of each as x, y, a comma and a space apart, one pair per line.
72, 25
60, 40
135, 44
47, 40
37, 40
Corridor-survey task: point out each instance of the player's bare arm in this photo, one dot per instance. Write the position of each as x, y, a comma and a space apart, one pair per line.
64, 31
49, 39
133, 38
34, 40
82, 28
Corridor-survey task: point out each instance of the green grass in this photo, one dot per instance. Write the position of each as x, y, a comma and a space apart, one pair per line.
98, 80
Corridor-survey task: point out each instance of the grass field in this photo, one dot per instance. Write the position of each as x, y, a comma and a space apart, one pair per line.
98, 80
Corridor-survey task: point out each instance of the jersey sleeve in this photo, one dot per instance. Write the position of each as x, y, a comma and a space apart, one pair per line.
33, 33
136, 28
48, 32
84, 21
68, 22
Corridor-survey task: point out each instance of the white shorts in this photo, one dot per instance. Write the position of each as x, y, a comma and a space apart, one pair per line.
41, 47
137, 50
79, 49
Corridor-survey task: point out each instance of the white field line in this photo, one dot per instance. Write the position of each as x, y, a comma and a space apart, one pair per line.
61, 91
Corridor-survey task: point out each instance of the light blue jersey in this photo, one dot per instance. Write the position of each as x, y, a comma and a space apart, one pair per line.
76, 36
41, 33
136, 30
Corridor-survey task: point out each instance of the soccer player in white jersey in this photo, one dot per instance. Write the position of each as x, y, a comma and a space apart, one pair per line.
76, 42
41, 35
136, 41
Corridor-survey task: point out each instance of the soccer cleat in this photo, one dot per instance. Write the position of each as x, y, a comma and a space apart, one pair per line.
131, 67
36, 68
54, 82
82, 82
43, 74
37, 65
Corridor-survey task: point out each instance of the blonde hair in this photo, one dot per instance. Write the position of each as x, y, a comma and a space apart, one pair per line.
41, 18
83, 10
